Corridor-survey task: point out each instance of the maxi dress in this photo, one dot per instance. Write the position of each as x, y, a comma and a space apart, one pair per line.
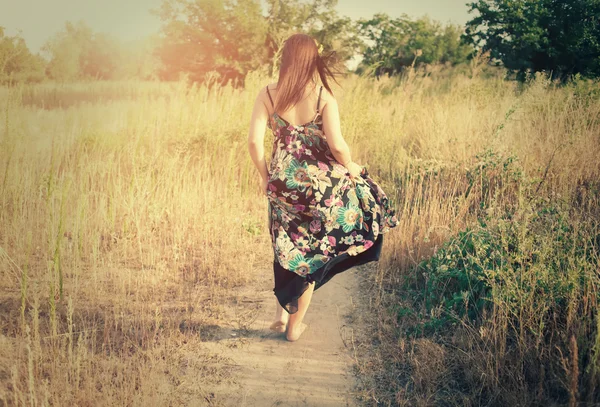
322, 221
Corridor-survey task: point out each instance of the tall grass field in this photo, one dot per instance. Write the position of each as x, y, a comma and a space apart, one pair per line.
130, 212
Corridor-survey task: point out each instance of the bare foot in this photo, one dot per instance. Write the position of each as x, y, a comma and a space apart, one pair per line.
278, 326
294, 335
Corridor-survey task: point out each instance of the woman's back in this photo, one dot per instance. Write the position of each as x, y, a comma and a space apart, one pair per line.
302, 112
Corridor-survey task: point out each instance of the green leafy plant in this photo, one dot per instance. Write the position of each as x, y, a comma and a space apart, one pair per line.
452, 284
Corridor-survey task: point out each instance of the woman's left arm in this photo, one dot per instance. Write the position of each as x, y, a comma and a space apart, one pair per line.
256, 136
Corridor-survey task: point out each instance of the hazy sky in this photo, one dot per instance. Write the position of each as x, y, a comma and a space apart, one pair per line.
130, 19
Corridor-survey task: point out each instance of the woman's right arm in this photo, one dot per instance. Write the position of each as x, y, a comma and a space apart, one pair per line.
333, 131
256, 136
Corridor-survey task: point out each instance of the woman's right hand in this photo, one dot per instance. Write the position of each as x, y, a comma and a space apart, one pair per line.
264, 185
354, 169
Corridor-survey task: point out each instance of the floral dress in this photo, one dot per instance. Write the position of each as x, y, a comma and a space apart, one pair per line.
322, 221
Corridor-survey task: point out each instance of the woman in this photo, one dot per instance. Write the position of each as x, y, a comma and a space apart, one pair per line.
325, 213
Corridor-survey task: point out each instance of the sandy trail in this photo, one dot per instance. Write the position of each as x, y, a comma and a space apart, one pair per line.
270, 371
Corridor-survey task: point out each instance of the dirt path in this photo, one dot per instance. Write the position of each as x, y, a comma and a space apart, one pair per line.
270, 371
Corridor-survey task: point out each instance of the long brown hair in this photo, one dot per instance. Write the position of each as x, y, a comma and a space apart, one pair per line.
300, 61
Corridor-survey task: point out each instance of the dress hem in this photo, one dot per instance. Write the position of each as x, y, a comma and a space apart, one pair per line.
289, 286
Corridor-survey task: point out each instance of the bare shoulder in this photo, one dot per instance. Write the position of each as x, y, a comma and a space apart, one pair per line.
262, 94
327, 97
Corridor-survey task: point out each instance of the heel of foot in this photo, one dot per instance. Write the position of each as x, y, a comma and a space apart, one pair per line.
294, 335
278, 326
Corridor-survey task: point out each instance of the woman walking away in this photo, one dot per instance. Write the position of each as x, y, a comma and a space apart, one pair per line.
326, 214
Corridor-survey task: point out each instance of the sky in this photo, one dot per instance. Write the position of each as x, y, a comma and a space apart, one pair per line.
38, 20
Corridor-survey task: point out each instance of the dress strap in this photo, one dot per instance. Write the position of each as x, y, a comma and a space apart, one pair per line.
319, 100
270, 98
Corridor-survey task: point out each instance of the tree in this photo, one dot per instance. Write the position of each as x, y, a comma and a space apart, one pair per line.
561, 37
65, 50
393, 44
79, 53
17, 63
201, 36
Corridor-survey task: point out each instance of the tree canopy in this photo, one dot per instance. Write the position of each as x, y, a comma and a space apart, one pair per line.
393, 44
17, 63
213, 35
561, 37
77, 52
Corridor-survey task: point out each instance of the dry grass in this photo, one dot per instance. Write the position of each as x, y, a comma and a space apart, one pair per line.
125, 227
130, 211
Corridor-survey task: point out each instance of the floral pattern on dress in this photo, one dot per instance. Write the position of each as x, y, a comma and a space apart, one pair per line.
316, 210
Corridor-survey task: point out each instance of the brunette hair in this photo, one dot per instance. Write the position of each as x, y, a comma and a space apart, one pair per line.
300, 62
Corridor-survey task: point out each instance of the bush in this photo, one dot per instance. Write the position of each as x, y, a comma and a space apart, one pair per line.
526, 285
453, 283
